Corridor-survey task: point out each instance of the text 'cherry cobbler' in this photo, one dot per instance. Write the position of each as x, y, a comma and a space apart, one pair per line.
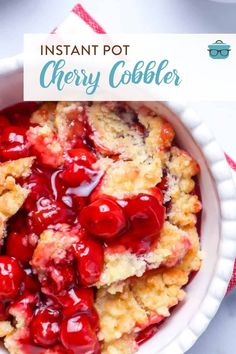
98, 226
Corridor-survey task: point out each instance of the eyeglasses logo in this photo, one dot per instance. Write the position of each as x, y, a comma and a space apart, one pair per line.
219, 50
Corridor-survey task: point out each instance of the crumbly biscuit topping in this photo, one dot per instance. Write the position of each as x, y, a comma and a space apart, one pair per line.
139, 167
12, 195
84, 154
142, 299
173, 244
125, 344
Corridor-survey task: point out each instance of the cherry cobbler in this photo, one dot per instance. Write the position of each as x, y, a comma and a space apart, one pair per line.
98, 226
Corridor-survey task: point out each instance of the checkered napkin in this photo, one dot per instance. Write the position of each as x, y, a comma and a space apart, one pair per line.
79, 20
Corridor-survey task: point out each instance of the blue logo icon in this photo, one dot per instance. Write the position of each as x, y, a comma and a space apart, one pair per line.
219, 50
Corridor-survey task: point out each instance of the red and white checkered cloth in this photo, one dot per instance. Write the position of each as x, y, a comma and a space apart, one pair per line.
79, 20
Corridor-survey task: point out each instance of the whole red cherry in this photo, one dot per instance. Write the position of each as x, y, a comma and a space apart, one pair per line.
103, 218
146, 217
75, 174
47, 212
13, 143
25, 304
78, 168
145, 214
82, 156
21, 112
31, 283
20, 245
90, 261
77, 300
78, 336
11, 278
38, 183
45, 327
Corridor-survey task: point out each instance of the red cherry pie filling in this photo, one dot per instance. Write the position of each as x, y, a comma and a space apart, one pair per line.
101, 214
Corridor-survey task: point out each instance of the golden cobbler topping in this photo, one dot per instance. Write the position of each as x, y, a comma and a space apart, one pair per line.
98, 226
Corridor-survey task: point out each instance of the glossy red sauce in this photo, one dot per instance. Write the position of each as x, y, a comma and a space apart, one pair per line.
147, 333
60, 307
62, 316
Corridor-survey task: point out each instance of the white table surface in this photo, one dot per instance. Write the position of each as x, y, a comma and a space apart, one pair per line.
194, 16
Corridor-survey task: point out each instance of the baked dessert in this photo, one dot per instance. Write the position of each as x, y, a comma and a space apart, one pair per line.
98, 226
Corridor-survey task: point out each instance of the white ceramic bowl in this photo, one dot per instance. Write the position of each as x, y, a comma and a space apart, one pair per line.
218, 236
225, 1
